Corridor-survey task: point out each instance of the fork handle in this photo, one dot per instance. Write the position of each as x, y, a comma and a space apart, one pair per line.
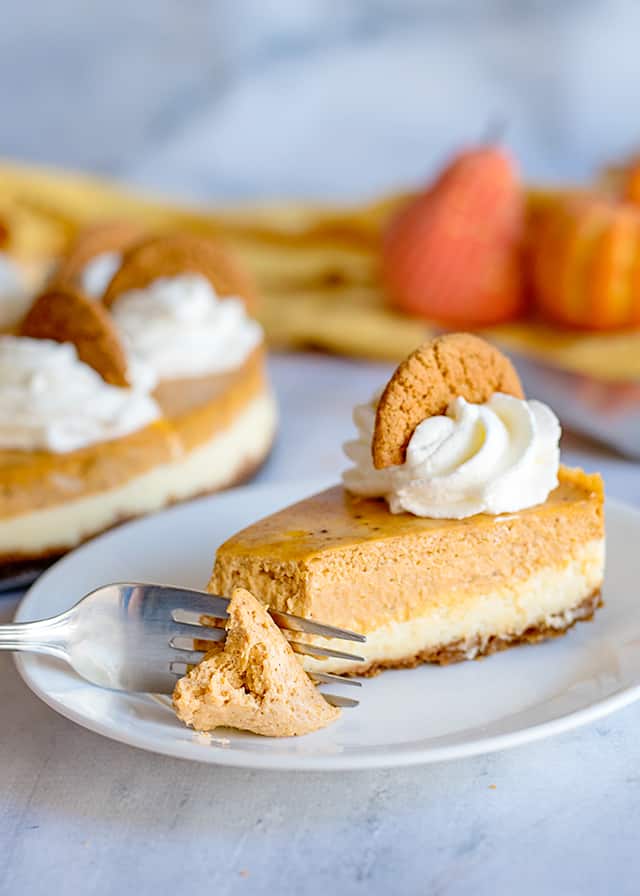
43, 636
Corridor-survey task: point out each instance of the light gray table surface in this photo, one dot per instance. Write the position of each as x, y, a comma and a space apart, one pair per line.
80, 814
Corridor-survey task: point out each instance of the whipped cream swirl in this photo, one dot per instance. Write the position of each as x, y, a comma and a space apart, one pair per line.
180, 327
98, 272
15, 297
497, 457
52, 401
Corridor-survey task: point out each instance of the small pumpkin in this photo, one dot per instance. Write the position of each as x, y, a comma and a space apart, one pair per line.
584, 262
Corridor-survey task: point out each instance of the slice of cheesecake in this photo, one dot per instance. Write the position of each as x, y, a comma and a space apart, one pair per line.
426, 590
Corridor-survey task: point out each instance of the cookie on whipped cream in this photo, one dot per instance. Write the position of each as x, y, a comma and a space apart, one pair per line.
457, 365
475, 444
96, 254
64, 314
176, 254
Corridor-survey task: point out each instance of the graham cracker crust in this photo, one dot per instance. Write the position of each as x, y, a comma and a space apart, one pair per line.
458, 651
16, 564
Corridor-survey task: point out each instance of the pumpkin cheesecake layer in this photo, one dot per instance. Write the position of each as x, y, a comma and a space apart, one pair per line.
200, 407
424, 589
215, 433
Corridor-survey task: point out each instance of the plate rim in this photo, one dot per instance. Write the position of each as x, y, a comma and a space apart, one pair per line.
391, 757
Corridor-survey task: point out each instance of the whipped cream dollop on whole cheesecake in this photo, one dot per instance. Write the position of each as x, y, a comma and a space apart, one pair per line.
52, 401
497, 457
181, 328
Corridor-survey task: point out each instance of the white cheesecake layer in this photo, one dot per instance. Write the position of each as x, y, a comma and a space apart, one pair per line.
210, 466
550, 597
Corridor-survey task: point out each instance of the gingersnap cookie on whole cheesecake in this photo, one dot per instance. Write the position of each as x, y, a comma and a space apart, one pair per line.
66, 315
96, 254
181, 304
173, 254
108, 413
456, 532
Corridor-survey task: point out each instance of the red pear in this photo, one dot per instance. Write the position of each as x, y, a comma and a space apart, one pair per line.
453, 254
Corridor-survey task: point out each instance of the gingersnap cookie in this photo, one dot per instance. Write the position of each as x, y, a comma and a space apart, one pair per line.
458, 364
66, 315
180, 253
94, 240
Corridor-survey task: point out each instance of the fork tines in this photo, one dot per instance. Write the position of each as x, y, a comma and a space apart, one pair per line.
188, 621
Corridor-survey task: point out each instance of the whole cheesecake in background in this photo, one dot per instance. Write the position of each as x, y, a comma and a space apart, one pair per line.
456, 533
111, 412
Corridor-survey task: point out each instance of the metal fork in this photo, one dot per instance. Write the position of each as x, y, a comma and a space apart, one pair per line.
139, 637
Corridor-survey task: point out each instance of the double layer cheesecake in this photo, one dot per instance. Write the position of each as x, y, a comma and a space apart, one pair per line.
110, 411
456, 532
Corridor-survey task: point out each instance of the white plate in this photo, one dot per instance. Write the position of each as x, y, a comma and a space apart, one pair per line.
420, 715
